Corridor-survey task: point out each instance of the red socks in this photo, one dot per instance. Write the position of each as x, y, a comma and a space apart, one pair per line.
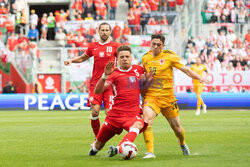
130, 136
95, 124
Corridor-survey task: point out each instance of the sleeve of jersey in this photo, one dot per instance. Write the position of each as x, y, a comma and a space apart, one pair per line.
192, 67
176, 61
88, 52
110, 79
141, 70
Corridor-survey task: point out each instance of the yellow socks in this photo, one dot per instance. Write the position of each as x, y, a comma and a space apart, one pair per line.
149, 139
199, 102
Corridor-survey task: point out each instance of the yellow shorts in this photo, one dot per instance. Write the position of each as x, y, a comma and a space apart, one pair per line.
198, 89
169, 110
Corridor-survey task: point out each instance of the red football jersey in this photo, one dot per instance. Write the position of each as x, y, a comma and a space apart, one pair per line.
127, 90
103, 53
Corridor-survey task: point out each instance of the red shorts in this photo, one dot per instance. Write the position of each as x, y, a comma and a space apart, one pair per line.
115, 125
106, 97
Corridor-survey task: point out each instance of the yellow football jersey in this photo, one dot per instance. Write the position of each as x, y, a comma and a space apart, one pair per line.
162, 66
199, 69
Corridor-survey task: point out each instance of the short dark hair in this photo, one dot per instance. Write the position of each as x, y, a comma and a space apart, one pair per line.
123, 48
104, 23
158, 36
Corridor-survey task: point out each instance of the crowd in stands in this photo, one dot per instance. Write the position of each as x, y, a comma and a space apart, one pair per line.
228, 11
220, 52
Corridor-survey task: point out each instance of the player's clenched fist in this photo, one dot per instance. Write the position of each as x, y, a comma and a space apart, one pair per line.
67, 62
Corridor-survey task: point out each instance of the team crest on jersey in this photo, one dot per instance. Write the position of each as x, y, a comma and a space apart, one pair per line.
101, 54
162, 61
91, 99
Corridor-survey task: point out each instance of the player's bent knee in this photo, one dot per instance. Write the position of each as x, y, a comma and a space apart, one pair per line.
138, 125
95, 113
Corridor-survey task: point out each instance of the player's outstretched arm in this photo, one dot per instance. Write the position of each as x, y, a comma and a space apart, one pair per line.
101, 84
79, 59
193, 74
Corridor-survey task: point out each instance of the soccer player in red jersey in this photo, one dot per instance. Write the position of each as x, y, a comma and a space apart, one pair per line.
103, 52
125, 111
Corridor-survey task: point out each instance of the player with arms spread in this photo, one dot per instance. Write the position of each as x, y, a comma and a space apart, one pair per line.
125, 111
159, 97
103, 52
198, 86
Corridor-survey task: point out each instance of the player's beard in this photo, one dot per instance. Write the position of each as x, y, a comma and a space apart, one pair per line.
104, 38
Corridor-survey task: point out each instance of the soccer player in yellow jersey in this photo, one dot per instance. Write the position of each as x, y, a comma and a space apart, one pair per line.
159, 96
198, 87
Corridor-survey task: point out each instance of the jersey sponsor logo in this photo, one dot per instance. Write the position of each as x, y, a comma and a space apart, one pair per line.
91, 99
162, 61
101, 54
132, 79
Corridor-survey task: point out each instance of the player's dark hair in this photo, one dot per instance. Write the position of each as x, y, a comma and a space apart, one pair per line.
104, 23
158, 36
123, 48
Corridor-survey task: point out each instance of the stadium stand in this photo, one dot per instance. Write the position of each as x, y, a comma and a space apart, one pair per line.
51, 36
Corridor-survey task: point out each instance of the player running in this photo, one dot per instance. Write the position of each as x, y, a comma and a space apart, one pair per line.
159, 97
125, 112
198, 86
103, 52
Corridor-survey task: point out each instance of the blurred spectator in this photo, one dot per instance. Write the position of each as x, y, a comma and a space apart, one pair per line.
164, 20
230, 67
171, 5
22, 42
113, 6
231, 35
37, 88
102, 10
200, 43
9, 26
247, 36
153, 4
152, 21
68, 15
144, 19
238, 67
117, 31
79, 39
3, 10
241, 18
126, 31
9, 88
60, 38
82, 30
89, 17
232, 89
79, 17
33, 17
244, 90
51, 26
12, 42
77, 5
70, 38
89, 8
70, 90
33, 33
44, 27
213, 89
98, 16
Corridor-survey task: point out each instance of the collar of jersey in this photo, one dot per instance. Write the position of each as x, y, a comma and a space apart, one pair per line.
104, 42
125, 70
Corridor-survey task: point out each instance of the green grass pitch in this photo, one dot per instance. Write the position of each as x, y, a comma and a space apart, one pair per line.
62, 139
